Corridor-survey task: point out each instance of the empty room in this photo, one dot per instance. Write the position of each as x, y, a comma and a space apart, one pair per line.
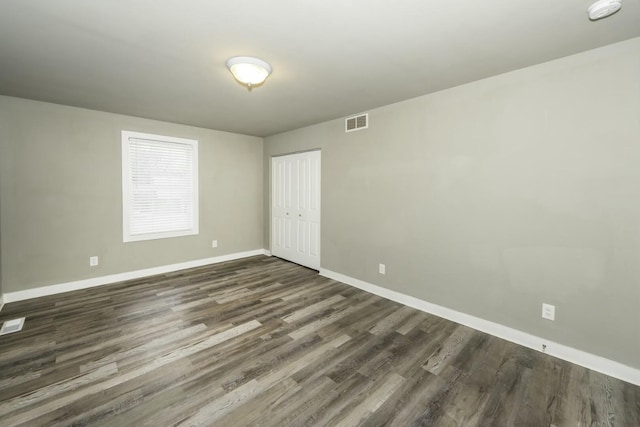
304, 213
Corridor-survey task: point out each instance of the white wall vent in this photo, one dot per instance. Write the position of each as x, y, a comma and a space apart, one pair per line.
356, 122
11, 326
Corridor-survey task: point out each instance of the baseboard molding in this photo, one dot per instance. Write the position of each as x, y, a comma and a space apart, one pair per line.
1, 301
579, 357
114, 278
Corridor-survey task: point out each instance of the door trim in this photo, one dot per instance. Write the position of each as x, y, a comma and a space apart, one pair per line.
306, 243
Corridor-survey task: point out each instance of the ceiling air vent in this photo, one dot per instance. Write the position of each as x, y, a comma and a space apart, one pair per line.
356, 122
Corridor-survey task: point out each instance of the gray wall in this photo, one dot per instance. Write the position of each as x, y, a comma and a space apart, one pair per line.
61, 195
1, 288
496, 196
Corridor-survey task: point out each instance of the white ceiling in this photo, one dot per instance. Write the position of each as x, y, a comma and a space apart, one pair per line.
165, 59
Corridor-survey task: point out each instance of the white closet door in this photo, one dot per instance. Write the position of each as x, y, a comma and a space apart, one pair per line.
282, 205
296, 208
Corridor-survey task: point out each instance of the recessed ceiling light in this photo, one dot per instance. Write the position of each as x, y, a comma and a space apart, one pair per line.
603, 8
249, 71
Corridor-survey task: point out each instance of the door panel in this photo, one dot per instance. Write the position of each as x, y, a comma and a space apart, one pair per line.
314, 240
301, 247
282, 203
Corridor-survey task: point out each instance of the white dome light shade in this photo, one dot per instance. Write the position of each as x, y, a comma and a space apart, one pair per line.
248, 70
603, 8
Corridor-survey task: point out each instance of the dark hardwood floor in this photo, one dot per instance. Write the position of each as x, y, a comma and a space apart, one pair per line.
264, 342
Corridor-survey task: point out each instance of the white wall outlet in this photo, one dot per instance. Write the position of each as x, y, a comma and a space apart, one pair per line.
382, 269
93, 261
214, 243
548, 311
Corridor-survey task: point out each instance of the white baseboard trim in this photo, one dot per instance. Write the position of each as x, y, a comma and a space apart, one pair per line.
579, 357
1, 301
114, 278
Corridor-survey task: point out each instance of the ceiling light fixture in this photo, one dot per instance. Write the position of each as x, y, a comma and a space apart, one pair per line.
603, 8
249, 71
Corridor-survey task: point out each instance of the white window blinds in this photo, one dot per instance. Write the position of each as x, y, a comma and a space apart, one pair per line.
160, 186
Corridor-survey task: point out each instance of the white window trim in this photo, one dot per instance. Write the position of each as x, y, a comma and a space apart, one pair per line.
126, 236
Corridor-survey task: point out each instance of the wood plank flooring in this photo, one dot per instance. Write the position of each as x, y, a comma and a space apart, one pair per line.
263, 342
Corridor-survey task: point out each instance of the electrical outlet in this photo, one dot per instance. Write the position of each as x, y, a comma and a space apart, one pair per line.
548, 311
382, 269
93, 261
214, 243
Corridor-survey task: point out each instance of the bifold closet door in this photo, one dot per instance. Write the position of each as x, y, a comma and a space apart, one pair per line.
295, 208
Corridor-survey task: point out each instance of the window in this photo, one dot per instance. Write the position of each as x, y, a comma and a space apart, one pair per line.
159, 186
